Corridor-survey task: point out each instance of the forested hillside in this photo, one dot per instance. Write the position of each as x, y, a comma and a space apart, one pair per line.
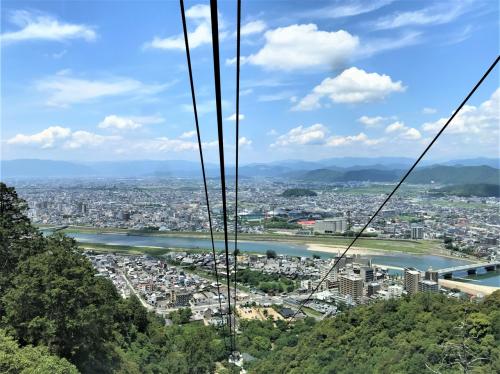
425, 334
51, 299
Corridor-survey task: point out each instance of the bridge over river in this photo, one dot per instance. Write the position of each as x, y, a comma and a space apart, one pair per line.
470, 269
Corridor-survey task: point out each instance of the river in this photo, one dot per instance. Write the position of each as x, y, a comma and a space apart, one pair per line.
421, 262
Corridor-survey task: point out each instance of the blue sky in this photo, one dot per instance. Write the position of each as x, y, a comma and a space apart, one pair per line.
107, 80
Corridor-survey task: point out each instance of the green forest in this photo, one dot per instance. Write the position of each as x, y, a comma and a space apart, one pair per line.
56, 316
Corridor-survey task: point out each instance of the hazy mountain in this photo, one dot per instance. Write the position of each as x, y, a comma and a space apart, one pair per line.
378, 169
455, 175
434, 174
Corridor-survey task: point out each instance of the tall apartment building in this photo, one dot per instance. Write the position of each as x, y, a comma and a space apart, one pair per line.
417, 232
367, 274
431, 275
332, 278
351, 285
411, 279
428, 286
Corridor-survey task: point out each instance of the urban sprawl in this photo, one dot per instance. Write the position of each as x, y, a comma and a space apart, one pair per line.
463, 227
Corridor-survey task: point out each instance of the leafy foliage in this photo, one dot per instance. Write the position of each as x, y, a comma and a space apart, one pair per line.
298, 192
269, 283
426, 333
29, 359
467, 190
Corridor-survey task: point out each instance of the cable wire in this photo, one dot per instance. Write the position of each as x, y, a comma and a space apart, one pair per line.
400, 182
238, 49
220, 130
193, 96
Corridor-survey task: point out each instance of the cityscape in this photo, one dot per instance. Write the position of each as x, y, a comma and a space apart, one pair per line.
454, 227
249, 187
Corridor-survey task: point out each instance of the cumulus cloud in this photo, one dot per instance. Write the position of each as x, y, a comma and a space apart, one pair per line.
253, 27
188, 134
56, 135
301, 135
319, 135
244, 142
128, 123
352, 86
40, 26
232, 117
371, 121
64, 90
471, 119
336, 141
303, 46
202, 34
402, 131
45, 138
82, 138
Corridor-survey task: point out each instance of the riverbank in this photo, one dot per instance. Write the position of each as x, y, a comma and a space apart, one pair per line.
469, 288
337, 249
373, 244
364, 251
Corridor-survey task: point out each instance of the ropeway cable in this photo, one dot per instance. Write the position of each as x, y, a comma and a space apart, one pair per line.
400, 183
220, 130
238, 50
193, 96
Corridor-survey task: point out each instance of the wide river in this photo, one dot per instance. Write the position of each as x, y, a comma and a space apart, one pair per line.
421, 262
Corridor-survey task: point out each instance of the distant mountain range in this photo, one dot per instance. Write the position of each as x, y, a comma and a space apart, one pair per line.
380, 169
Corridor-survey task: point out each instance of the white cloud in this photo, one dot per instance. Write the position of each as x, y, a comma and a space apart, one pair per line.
244, 142
56, 135
396, 126
63, 90
315, 134
128, 123
440, 13
199, 12
472, 119
429, 110
319, 135
165, 144
403, 131
87, 139
272, 132
232, 117
371, 121
202, 34
411, 134
351, 86
302, 47
253, 27
39, 26
336, 141
188, 134
45, 138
